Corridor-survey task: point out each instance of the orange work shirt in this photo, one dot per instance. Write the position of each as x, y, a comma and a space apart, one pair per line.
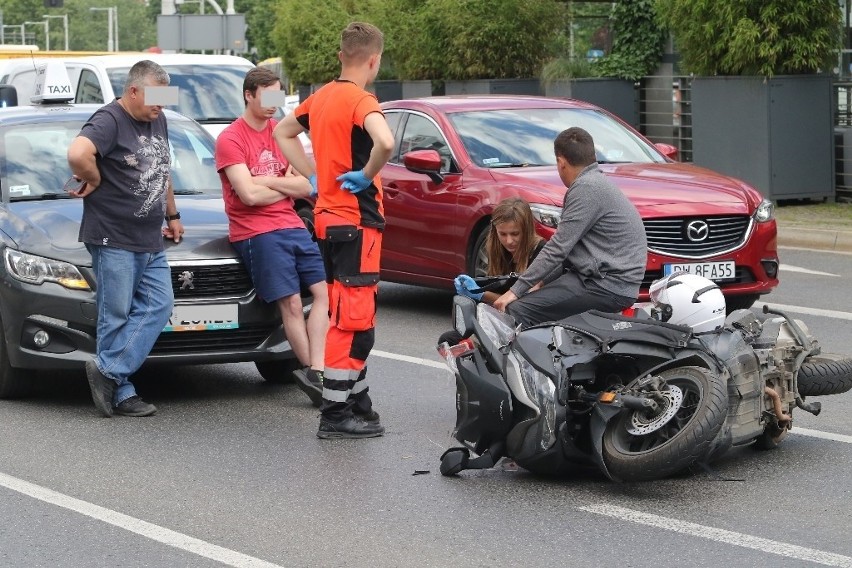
334, 116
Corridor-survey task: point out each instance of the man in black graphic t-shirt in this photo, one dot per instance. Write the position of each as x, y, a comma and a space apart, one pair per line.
122, 156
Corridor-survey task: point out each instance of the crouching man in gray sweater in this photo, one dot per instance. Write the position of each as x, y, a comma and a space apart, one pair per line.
596, 259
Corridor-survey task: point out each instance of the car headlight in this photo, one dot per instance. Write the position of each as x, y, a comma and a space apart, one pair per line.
542, 391
547, 215
34, 269
765, 211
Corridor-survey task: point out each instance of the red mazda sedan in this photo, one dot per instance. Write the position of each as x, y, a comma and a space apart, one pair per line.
457, 157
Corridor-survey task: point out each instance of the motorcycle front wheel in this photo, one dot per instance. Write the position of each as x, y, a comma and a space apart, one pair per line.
682, 440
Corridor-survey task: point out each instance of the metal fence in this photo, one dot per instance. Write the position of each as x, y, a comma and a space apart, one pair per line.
665, 115
843, 140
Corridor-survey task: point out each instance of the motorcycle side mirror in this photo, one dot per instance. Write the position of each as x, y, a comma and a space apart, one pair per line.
464, 314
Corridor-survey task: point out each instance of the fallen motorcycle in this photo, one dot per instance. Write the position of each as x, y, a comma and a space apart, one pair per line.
639, 398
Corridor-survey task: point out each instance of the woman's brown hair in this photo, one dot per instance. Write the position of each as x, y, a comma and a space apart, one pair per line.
499, 259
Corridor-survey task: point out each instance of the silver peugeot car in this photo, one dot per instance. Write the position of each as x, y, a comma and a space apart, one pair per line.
47, 306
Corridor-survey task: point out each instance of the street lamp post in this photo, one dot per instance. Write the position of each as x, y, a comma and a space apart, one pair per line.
112, 25
64, 25
46, 38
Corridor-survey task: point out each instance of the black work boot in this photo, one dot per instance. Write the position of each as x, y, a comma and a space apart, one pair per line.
348, 427
361, 404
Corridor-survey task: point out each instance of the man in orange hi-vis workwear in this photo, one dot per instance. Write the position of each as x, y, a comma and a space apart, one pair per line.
351, 142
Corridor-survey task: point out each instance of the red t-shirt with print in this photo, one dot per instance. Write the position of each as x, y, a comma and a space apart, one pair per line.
239, 143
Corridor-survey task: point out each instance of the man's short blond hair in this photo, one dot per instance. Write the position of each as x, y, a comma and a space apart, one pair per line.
359, 41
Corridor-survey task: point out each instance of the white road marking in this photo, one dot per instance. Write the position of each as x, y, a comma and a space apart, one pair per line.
721, 535
823, 435
803, 310
408, 359
821, 251
128, 523
790, 268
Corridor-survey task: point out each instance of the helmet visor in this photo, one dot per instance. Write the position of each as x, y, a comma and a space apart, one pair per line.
658, 291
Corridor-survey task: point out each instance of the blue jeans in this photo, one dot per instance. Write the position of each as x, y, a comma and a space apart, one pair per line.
134, 300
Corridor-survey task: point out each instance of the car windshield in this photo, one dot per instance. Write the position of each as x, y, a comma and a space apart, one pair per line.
33, 162
524, 137
207, 93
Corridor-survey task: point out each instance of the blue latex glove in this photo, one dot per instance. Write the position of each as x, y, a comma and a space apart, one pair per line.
354, 181
464, 285
314, 190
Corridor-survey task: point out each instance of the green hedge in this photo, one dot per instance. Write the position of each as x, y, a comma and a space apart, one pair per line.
424, 39
750, 37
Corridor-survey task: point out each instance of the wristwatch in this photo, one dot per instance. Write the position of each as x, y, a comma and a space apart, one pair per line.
173, 217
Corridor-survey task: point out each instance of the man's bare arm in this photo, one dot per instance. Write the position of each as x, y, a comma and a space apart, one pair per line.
377, 127
286, 135
82, 161
174, 229
250, 192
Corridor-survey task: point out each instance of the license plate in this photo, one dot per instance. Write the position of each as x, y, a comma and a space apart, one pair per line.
716, 271
207, 317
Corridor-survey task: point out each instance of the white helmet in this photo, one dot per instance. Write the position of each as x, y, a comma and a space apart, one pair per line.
686, 299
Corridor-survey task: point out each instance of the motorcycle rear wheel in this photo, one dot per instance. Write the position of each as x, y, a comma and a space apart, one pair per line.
825, 374
683, 440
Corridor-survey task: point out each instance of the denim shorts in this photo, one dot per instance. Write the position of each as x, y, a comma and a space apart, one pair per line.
281, 263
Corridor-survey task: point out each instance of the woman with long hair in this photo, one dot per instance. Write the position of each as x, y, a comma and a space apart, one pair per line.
512, 244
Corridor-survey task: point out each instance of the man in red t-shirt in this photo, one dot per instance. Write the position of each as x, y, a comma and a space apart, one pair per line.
265, 229
351, 142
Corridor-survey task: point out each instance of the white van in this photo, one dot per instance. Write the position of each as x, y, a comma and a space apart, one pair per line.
210, 85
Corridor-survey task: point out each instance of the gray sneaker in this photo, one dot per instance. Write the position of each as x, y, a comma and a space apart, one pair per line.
102, 388
135, 406
310, 382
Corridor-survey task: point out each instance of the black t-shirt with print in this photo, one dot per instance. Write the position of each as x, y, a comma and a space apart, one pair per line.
127, 210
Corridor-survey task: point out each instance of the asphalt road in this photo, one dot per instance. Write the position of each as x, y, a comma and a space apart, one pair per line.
230, 473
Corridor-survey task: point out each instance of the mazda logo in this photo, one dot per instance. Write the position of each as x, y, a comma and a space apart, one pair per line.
697, 231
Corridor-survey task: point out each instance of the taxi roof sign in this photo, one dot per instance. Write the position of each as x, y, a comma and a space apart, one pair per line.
52, 84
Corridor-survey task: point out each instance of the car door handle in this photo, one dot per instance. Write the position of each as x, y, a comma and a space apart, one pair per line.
391, 190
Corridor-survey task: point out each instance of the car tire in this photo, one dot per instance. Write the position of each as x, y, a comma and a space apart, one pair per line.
478, 264
278, 372
12, 380
305, 211
740, 302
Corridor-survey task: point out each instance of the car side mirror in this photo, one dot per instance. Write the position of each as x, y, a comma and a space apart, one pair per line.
667, 150
424, 162
8, 96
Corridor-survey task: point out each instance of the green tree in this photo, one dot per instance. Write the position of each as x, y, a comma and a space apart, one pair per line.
260, 20
308, 39
637, 45
738, 37
431, 39
87, 29
471, 39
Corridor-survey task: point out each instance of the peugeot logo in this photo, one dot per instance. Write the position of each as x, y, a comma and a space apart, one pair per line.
697, 231
185, 280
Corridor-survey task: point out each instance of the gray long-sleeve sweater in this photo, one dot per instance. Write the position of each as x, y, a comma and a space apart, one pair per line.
600, 236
